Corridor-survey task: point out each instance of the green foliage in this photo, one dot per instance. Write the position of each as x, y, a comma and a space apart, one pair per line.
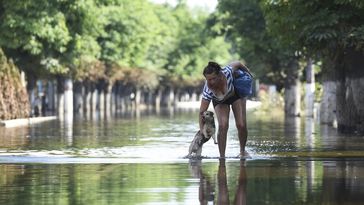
56, 32
88, 69
33, 26
193, 49
318, 25
130, 28
54, 66
109, 39
165, 41
85, 26
244, 24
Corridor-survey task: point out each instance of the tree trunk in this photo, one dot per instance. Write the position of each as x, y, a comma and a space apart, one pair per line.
137, 97
101, 100
158, 99
328, 101
194, 96
177, 96
114, 98
171, 97
31, 84
292, 94
68, 96
101, 96
60, 95
357, 87
87, 97
310, 89
346, 111
350, 93
150, 99
108, 92
78, 93
93, 99
51, 96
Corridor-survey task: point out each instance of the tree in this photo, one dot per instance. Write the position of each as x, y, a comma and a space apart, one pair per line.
194, 47
331, 31
50, 38
34, 29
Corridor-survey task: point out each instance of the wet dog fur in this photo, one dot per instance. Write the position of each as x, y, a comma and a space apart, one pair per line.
202, 136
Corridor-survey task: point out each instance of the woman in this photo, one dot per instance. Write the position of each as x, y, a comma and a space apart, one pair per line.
219, 88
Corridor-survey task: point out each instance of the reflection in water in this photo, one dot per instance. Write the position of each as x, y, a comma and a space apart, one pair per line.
11, 138
240, 196
310, 131
219, 182
310, 142
223, 193
207, 190
131, 159
292, 129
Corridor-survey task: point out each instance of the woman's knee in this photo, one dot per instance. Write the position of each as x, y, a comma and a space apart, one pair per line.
223, 127
241, 127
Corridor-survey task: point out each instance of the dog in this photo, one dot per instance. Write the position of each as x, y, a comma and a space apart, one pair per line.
202, 136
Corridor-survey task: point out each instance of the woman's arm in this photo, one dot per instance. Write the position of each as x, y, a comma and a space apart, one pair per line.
203, 107
236, 65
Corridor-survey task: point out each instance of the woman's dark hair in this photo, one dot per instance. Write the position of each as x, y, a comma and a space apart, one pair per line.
212, 67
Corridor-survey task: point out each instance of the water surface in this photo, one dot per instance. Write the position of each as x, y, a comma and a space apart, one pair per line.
139, 159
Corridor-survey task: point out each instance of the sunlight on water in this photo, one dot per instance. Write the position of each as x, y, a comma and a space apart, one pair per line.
121, 141
148, 153
153, 139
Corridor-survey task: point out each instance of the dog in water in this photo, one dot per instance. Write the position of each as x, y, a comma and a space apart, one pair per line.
202, 136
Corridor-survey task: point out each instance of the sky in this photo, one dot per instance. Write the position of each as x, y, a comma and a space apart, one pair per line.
210, 5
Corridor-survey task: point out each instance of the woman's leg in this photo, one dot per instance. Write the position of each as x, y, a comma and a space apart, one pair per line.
222, 113
239, 110
223, 192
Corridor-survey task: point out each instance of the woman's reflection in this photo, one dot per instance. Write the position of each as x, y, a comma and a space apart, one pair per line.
206, 189
240, 196
223, 192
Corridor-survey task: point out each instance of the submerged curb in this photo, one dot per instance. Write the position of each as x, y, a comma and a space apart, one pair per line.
25, 121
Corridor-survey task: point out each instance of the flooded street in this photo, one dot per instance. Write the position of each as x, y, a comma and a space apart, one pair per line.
139, 159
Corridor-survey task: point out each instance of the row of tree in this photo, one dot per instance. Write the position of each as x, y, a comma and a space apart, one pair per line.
109, 45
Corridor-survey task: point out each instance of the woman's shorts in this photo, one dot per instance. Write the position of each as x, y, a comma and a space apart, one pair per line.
228, 101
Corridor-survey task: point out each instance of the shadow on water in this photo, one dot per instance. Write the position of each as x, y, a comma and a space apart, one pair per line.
138, 159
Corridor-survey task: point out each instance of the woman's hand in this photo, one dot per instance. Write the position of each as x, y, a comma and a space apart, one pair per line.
203, 107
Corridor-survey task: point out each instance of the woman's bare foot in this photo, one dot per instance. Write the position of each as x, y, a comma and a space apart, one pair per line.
244, 155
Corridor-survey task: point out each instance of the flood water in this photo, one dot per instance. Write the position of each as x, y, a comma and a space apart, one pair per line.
139, 159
